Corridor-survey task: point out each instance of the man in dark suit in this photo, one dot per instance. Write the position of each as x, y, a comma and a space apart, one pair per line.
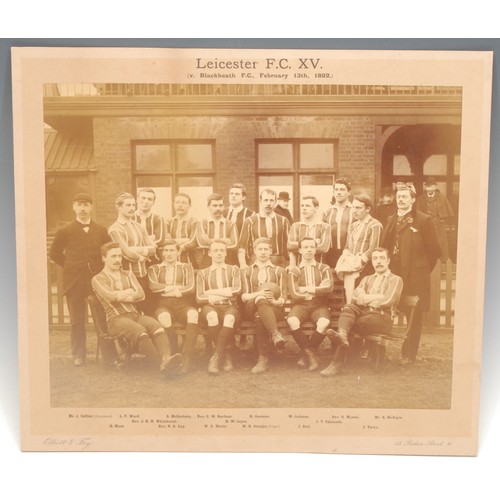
413, 246
76, 248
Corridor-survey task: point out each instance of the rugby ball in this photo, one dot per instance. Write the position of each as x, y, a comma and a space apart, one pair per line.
273, 287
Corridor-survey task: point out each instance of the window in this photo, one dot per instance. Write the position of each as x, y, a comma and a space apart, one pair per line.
299, 167
170, 167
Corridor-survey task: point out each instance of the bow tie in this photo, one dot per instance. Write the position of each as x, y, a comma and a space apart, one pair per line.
84, 225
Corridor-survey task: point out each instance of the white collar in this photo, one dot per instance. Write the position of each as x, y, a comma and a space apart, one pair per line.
213, 267
304, 264
267, 216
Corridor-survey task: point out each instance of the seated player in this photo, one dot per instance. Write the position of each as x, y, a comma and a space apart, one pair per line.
173, 283
118, 292
262, 281
308, 285
217, 288
371, 311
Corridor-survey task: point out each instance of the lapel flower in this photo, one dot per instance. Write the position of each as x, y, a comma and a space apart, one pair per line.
414, 229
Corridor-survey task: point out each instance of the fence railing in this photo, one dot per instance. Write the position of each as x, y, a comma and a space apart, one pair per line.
207, 89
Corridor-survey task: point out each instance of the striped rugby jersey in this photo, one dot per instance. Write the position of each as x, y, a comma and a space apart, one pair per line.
215, 278
180, 274
183, 228
131, 234
318, 231
338, 235
255, 227
106, 287
155, 227
211, 229
387, 283
317, 275
363, 237
238, 217
256, 275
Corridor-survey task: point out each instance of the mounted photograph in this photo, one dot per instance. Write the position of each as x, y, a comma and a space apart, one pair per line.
251, 250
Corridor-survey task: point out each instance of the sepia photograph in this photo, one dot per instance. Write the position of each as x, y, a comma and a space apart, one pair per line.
253, 245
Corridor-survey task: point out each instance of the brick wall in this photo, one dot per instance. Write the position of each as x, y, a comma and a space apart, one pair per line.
235, 148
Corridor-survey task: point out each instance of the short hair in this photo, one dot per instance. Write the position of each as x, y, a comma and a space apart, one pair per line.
170, 242
380, 249
110, 245
216, 241
307, 238
270, 191
365, 199
120, 199
263, 239
408, 187
312, 198
147, 190
239, 185
344, 181
214, 197
185, 196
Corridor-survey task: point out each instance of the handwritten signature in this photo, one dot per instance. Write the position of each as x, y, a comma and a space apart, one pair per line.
82, 443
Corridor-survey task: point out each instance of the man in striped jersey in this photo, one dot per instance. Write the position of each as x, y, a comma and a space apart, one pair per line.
153, 223
237, 213
217, 288
174, 285
182, 228
310, 227
363, 236
308, 285
119, 291
134, 241
266, 224
216, 227
339, 218
261, 305
371, 311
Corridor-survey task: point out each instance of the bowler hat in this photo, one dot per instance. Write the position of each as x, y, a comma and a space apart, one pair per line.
429, 181
284, 196
82, 197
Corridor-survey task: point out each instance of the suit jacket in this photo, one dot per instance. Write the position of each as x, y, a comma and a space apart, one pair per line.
418, 253
78, 253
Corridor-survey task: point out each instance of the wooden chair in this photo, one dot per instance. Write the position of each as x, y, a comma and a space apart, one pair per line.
114, 351
377, 343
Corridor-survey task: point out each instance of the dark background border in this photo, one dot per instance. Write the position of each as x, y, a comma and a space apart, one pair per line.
480, 473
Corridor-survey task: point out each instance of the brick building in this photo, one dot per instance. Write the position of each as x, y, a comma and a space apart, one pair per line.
108, 138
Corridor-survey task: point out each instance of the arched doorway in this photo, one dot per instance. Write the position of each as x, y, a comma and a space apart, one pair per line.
411, 153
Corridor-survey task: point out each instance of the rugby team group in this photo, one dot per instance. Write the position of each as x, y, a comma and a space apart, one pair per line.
150, 275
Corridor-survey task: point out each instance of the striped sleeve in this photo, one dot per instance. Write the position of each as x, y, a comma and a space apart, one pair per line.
325, 239
393, 291
153, 279
374, 231
326, 284
293, 284
201, 296
188, 287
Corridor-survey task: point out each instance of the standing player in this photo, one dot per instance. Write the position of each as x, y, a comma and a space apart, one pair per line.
266, 224
309, 227
216, 227
338, 217
134, 241
182, 228
153, 223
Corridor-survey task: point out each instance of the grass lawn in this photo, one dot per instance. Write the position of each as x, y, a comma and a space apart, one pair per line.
425, 384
